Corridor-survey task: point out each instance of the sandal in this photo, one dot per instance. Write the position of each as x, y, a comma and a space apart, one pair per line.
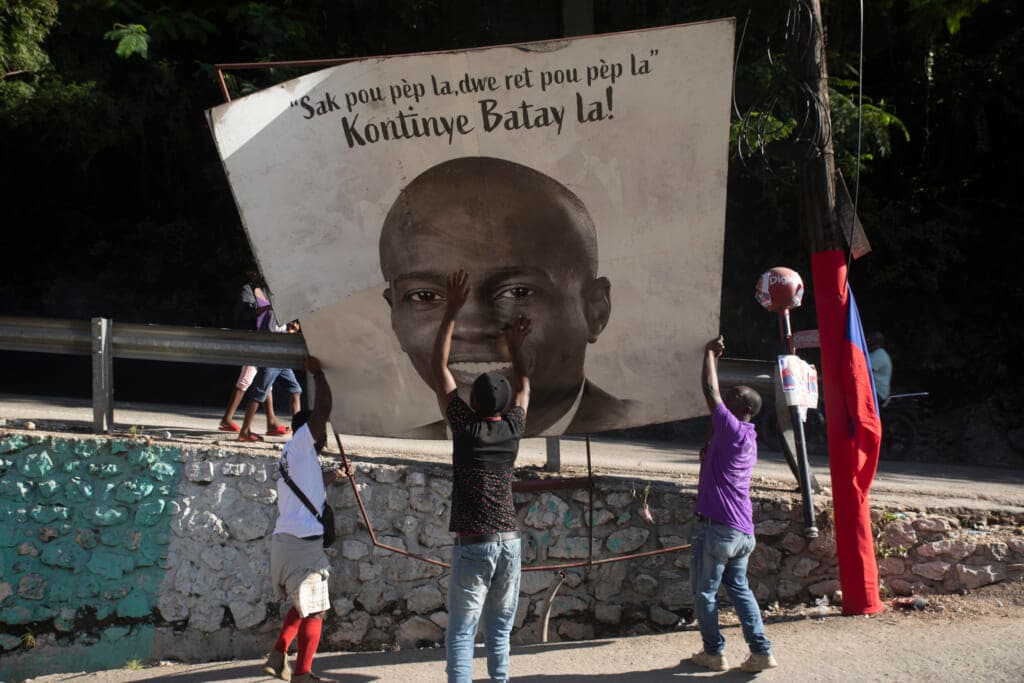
228, 427
251, 438
280, 430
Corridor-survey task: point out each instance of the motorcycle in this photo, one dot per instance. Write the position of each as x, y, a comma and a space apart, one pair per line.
900, 415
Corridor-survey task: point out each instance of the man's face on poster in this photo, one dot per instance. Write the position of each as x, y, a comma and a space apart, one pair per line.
528, 245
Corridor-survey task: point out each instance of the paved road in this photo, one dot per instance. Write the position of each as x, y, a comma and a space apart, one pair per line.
887, 647
897, 483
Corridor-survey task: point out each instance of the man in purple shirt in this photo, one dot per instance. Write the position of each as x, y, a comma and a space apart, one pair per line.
724, 534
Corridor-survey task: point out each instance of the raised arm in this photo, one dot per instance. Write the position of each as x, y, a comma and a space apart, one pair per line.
709, 373
322, 403
455, 298
514, 336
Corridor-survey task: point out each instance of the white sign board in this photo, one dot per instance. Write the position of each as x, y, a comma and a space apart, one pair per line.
580, 182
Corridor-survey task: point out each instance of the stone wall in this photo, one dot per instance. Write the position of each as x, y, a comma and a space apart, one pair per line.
924, 553
164, 550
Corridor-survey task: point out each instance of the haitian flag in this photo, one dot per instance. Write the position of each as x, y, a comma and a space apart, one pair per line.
854, 429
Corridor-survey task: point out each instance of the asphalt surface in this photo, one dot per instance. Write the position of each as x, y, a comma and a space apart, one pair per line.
886, 647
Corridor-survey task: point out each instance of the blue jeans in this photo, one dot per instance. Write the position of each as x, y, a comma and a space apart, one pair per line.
484, 583
265, 382
718, 555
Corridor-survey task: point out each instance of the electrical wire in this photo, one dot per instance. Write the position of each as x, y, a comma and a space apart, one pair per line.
736, 64
813, 121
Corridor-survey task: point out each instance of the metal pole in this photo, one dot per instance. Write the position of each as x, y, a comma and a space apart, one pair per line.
590, 505
810, 527
311, 391
549, 602
554, 454
102, 376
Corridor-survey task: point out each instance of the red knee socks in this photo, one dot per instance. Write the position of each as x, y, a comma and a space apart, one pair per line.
309, 639
288, 631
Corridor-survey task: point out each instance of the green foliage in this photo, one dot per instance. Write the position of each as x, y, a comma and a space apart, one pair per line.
951, 12
71, 117
882, 550
23, 26
757, 130
134, 665
132, 39
181, 25
875, 128
886, 551
123, 210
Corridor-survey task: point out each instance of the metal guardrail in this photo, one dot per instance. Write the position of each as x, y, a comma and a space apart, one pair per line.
756, 374
101, 339
104, 340
154, 342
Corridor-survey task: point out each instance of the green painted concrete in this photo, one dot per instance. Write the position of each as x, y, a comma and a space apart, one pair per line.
84, 533
116, 646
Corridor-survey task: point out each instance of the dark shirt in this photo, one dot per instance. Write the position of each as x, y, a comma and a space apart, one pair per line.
484, 454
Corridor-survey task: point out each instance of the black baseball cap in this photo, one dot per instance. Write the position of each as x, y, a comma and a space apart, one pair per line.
491, 393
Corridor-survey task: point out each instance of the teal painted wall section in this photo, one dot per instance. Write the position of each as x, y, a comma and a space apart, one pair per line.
84, 535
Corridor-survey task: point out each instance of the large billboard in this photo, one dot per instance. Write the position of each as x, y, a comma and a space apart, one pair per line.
580, 182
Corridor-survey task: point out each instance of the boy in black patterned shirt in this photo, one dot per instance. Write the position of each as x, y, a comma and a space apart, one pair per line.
484, 582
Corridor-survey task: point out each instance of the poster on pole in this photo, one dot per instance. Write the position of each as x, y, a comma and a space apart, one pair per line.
580, 182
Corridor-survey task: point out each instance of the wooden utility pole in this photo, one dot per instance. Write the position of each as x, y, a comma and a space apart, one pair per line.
853, 452
818, 171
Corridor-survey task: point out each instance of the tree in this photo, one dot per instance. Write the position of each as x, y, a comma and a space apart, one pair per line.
119, 204
23, 26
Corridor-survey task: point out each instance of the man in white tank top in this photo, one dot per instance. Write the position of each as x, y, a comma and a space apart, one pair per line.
299, 569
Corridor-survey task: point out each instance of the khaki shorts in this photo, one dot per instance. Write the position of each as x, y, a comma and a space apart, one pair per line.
299, 570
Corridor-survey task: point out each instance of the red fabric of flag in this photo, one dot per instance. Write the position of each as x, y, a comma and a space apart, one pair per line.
854, 429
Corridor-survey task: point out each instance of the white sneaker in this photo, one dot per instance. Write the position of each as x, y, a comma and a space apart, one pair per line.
709, 661
756, 662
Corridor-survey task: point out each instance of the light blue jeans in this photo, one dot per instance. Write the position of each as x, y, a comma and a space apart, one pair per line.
265, 379
484, 584
718, 555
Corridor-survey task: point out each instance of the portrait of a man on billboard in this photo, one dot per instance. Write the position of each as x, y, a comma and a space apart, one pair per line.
530, 248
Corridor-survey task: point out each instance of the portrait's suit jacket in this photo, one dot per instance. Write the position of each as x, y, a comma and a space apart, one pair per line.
598, 411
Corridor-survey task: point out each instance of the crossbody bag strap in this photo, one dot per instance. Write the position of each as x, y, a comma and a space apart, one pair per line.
300, 494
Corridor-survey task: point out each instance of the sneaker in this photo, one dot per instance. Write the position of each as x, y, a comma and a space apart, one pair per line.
756, 662
709, 661
310, 677
277, 666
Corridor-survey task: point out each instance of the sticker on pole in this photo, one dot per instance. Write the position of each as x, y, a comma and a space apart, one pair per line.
799, 382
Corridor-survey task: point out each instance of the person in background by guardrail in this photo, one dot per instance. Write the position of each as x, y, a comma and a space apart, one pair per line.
266, 321
247, 312
881, 365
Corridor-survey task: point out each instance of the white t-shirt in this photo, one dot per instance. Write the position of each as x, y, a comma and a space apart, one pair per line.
299, 459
